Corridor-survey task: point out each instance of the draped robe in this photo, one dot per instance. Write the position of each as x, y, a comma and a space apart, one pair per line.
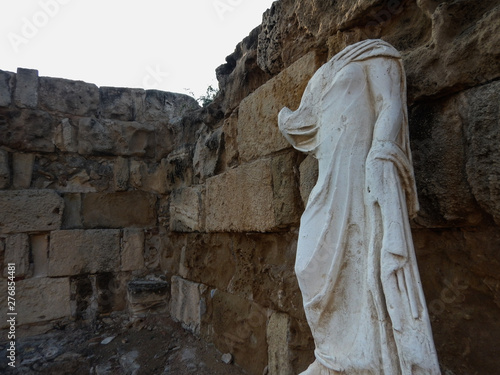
355, 260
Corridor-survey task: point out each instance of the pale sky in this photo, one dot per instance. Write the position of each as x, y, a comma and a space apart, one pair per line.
159, 44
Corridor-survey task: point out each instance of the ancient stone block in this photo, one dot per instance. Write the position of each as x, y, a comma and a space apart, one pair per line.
109, 137
120, 103
187, 304
17, 251
161, 105
121, 173
249, 206
147, 297
30, 210
308, 171
27, 130
5, 88
277, 341
72, 211
186, 209
22, 168
239, 328
207, 153
258, 132
286, 193
66, 136
119, 210
229, 157
154, 247
69, 97
74, 252
26, 91
40, 254
4, 169
149, 176
179, 168
132, 255
41, 299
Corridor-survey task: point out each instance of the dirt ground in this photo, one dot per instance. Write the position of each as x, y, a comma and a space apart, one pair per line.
117, 346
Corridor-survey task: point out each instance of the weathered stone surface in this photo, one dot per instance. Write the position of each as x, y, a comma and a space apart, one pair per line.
172, 106
26, 91
22, 167
277, 340
27, 130
248, 207
119, 210
30, 210
74, 252
108, 137
238, 327
229, 157
155, 244
286, 193
132, 254
308, 171
66, 136
40, 254
180, 168
17, 251
187, 210
121, 173
480, 108
258, 133
70, 97
207, 153
149, 176
118, 103
39, 300
72, 211
147, 297
6, 83
187, 304
4, 169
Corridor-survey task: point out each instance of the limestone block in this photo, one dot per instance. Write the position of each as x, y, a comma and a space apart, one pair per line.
187, 303
160, 105
74, 252
119, 210
30, 210
6, 82
248, 207
180, 168
258, 132
4, 169
239, 327
40, 254
39, 300
229, 157
28, 130
120, 103
132, 255
186, 209
278, 329
22, 167
149, 176
72, 211
154, 247
66, 136
17, 251
308, 171
207, 153
121, 173
115, 138
26, 91
70, 97
286, 193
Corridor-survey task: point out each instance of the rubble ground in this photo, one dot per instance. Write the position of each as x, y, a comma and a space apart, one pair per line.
117, 346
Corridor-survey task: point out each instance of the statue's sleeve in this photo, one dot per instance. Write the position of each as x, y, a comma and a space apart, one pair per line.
300, 127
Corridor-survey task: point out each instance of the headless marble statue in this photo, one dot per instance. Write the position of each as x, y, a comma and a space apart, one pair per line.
355, 262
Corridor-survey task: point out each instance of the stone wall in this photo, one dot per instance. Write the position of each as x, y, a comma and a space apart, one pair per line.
123, 184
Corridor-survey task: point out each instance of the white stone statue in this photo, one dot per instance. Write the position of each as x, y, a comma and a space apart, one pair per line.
355, 262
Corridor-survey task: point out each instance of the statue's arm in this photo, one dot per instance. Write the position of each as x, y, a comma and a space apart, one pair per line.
385, 80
